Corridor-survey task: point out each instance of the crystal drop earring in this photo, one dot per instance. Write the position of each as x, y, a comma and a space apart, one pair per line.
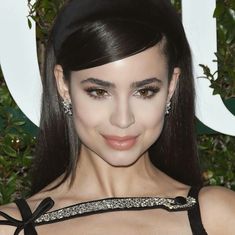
67, 106
168, 108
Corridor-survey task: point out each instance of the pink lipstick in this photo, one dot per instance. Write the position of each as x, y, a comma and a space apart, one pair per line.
120, 143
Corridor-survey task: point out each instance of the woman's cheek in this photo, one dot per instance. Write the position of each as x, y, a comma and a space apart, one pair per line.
88, 112
151, 113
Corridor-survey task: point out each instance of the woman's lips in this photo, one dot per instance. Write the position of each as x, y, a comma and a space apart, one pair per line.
120, 143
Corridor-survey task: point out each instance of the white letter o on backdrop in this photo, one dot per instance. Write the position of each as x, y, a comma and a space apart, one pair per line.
18, 58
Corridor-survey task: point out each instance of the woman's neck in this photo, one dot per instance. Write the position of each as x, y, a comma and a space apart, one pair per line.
95, 177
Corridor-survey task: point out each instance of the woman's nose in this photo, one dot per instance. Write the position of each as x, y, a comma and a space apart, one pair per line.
122, 115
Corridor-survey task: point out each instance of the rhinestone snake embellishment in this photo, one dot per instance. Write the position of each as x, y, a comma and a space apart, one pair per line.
116, 204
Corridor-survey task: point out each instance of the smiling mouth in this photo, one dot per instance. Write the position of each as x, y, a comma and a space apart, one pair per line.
120, 143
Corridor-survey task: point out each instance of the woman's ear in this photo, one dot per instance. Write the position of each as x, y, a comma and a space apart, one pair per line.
173, 83
62, 85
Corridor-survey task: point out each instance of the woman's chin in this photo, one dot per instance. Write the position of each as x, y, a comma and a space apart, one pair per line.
121, 161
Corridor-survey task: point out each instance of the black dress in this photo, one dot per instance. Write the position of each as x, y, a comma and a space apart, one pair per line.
41, 215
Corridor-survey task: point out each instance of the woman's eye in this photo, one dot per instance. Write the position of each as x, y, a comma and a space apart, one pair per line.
96, 93
147, 93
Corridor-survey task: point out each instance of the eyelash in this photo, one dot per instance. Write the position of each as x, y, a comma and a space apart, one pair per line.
90, 90
152, 89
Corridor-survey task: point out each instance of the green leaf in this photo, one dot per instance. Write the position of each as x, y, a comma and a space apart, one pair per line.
19, 123
219, 10
9, 150
29, 23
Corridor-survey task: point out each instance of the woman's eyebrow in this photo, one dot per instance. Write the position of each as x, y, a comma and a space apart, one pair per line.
112, 85
99, 82
145, 82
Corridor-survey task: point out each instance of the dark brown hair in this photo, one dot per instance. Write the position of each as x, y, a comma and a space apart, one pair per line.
107, 37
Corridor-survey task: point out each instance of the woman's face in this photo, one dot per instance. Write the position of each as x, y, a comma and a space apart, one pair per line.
119, 107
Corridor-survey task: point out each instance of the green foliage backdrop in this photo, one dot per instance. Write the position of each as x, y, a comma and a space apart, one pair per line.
17, 134
16, 148
217, 151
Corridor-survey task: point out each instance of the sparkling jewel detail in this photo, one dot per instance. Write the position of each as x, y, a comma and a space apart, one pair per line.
115, 204
67, 106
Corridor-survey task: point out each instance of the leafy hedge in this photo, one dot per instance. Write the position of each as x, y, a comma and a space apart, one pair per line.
217, 151
16, 148
17, 136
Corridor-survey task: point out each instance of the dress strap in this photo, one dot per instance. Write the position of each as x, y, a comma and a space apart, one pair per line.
26, 214
194, 214
28, 218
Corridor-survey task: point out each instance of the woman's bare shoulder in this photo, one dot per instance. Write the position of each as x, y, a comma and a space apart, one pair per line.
217, 206
12, 211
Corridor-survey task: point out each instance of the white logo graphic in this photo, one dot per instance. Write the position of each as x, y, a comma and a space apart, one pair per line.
200, 27
18, 58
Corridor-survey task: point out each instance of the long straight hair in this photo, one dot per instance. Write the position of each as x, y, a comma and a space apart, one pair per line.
107, 38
